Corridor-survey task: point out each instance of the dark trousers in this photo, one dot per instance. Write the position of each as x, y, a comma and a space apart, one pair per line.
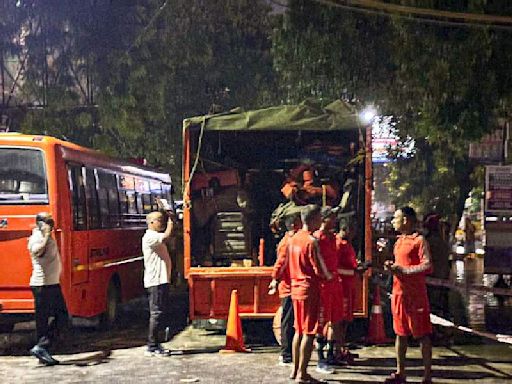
287, 330
49, 302
158, 313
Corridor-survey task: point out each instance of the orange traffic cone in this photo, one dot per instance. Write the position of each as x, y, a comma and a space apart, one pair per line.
234, 335
376, 332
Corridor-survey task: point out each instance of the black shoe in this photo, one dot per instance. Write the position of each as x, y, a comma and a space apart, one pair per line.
43, 355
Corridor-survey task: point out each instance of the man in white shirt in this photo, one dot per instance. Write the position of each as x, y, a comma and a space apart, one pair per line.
157, 276
45, 285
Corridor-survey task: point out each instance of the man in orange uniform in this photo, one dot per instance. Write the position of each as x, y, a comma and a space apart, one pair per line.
331, 292
306, 270
347, 268
281, 276
410, 307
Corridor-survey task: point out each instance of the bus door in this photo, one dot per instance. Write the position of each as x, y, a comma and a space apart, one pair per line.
79, 233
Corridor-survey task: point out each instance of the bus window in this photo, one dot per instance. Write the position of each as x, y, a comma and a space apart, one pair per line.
22, 176
155, 188
108, 200
146, 203
76, 184
91, 196
167, 193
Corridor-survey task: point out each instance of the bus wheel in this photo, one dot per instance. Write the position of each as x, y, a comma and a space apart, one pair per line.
6, 327
111, 314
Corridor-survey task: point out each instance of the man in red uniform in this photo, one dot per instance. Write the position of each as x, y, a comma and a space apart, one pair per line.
347, 269
331, 293
281, 276
409, 305
306, 270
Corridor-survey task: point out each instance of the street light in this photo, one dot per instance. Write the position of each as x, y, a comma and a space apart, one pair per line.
367, 115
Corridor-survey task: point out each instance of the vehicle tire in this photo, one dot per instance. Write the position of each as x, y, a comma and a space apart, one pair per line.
276, 325
6, 327
109, 318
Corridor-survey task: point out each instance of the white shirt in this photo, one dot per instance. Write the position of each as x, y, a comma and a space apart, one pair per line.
47, 267
157, 262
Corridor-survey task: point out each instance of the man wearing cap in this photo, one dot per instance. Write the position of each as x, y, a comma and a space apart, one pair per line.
331, 292
45, 285
409, 303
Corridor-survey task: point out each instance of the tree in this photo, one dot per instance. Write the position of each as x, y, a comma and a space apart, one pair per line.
121, 75
444, 85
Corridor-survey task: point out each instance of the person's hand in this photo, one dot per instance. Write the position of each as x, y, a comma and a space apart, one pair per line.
272, 287
395, 269
46, 229
388, 264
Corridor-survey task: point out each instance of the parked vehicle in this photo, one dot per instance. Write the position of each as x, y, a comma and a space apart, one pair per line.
99, 206
244, 170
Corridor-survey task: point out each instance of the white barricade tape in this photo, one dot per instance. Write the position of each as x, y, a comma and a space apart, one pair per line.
446, 323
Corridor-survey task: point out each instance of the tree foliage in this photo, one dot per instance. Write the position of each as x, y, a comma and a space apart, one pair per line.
444, 85
122, 75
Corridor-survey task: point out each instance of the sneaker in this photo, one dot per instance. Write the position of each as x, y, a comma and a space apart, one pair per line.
158, 352
43, 355
324, 368
284, 361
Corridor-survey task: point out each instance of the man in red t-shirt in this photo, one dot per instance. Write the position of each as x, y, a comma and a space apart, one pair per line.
347, 269
281, 276
306, 271
331, 292
409, 305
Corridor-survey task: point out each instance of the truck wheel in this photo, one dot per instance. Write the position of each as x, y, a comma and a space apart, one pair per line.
111, 314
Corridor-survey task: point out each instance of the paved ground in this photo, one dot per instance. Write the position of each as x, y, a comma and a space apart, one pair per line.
89, 356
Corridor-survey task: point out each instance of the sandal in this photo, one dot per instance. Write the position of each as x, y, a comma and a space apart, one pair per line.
395, 378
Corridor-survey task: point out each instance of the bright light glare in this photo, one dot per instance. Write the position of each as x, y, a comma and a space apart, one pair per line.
367, 115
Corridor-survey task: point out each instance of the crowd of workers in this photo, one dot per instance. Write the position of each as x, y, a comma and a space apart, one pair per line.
314, 274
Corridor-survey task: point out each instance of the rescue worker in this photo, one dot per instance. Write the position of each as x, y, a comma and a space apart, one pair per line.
281, 276
157, 277
306, 270
409, 304
347, 269
45, 285
331, 292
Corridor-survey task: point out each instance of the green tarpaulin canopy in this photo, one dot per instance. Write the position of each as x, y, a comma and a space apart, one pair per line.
307, 116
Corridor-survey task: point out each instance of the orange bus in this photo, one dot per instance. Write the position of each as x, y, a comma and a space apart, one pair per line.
99, 206
237, 167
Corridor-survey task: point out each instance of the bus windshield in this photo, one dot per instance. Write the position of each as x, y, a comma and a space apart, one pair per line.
22, 176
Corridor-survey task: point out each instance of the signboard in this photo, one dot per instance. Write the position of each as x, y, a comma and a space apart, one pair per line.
498, 219
498, 188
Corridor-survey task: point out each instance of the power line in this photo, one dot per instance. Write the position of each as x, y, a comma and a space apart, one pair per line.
382, 10
144, 30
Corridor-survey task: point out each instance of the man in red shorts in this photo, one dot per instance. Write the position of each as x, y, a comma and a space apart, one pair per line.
331, 294
409, 305
281, 281
348, 266
306, 270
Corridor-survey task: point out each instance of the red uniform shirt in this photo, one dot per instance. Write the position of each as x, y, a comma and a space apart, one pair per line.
328, 250
303, 263
413, 256
347, 259
281, 270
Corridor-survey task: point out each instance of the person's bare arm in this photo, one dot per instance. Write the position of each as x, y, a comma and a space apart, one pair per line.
169, 230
